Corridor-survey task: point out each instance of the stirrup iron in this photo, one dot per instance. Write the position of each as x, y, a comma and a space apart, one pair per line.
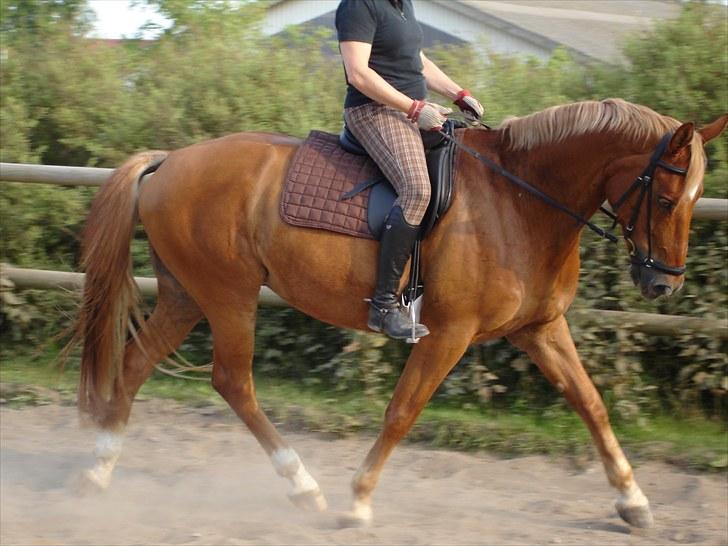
413, 311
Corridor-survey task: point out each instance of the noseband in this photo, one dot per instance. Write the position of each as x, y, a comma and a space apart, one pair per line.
644, 183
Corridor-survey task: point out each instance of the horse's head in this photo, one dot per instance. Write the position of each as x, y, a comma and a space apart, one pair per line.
654, 195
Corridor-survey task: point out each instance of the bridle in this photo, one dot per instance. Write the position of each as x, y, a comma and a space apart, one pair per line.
643, 182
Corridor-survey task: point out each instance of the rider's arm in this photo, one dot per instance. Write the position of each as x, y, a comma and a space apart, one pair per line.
437, 80
356, 62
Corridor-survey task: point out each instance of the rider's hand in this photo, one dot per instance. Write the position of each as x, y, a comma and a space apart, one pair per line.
427, 115
469, 105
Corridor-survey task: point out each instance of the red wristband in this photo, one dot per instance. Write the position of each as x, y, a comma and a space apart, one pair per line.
415, 109
461, 95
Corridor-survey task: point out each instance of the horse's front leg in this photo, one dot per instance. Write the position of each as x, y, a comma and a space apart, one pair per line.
551, 347
430, 361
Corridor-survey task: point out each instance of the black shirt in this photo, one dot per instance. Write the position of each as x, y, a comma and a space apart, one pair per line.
396, 40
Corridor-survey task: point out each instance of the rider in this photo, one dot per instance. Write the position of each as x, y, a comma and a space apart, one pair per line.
387, 80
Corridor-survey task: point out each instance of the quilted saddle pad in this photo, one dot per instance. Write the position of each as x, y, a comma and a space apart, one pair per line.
320, 174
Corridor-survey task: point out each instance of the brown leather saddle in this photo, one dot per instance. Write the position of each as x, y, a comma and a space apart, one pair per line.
333, 184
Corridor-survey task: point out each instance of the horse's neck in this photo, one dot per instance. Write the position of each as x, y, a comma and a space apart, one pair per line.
572, 173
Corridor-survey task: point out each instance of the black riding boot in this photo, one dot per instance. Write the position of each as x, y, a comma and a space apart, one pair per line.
385, 312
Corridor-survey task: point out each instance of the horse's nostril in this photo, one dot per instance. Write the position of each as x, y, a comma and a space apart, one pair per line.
662, 290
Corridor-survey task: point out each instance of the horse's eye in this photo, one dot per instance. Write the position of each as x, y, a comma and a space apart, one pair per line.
665, 203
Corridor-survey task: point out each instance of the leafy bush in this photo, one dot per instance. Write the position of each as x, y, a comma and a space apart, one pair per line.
213, 72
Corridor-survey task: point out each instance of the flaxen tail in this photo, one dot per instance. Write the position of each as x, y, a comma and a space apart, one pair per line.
110, 296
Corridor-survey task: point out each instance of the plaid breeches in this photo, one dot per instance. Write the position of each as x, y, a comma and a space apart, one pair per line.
395, 145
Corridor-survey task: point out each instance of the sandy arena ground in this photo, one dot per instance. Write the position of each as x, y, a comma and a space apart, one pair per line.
190, 476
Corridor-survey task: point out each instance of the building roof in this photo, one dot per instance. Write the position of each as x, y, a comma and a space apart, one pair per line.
589, 29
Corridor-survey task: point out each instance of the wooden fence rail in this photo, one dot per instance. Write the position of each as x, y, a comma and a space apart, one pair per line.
706, 209
645, 322
65, 280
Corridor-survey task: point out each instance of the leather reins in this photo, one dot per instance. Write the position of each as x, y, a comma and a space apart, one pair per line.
643, 182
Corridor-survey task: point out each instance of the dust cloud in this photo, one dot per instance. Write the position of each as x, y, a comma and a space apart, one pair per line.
192, 476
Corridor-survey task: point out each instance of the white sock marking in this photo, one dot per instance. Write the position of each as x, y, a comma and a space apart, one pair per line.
108, 445
361, 510
107, 451
288, 464
632, 497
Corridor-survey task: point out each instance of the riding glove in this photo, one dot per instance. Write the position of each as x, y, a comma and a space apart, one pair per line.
469, 106
427, 115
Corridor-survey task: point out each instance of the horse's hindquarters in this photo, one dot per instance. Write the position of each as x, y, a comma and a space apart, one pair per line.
211, 213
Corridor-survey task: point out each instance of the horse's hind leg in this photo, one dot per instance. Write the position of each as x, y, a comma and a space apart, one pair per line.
172, 319
233, 331
551, 347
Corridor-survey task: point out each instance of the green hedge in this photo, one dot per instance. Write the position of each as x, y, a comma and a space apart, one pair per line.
212, 73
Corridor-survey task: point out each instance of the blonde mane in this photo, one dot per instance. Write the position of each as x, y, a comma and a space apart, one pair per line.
632, 121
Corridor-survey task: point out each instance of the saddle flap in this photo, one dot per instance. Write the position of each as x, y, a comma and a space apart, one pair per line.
441, 167
381, 200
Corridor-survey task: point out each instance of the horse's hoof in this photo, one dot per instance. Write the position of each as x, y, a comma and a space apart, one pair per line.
360, 516
313, 501
637, 516
350, 520
88, 483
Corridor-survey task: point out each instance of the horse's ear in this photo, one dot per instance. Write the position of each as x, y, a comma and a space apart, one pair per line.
683, 136
712, 130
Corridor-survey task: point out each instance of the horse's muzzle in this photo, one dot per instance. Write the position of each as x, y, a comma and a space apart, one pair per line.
654, 284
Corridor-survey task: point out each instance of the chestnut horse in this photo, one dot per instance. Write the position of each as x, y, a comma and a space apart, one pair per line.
500, 263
